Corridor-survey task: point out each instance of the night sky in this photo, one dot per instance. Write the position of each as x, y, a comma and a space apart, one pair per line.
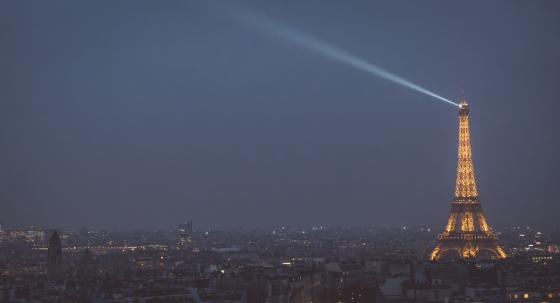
145, 114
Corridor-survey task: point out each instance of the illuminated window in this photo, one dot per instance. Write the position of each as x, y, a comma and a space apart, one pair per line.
525, 296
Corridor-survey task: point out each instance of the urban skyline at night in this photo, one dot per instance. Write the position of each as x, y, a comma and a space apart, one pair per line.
298, 151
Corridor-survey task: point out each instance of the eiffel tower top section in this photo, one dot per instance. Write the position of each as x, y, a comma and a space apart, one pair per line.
465, 186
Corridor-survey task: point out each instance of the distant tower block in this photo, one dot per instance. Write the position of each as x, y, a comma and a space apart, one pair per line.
467, 232
185, 232
54, 262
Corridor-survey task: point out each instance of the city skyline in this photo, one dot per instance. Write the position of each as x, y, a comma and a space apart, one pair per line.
142, 116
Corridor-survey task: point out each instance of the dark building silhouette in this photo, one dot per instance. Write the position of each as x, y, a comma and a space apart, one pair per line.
87, 266
54, 262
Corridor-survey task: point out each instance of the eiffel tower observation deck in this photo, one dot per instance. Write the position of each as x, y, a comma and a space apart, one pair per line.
467, 232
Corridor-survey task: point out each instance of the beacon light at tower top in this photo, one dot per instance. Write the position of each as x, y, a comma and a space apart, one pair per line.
463, 107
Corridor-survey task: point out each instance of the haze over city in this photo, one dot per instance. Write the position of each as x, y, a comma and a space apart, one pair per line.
144, 114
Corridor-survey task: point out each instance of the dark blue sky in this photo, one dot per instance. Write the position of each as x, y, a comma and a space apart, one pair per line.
143, 114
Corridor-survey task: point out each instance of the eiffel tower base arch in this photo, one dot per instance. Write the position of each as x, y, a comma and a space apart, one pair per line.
467, 249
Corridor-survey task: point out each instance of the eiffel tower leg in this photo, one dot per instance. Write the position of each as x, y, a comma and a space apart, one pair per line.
498, 251
436, 253
501, 252
442, 249
494, 249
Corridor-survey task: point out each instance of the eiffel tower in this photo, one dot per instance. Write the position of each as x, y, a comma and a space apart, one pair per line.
467, 232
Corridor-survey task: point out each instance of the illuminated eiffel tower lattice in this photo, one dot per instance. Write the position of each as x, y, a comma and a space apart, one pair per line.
467, 232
